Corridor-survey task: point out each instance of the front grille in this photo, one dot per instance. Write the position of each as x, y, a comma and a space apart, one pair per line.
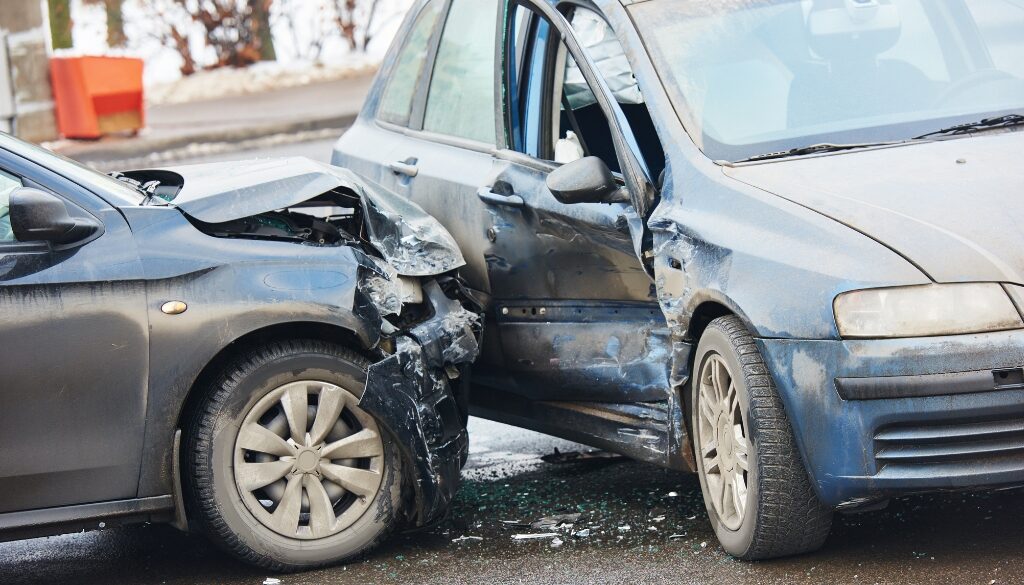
978, 442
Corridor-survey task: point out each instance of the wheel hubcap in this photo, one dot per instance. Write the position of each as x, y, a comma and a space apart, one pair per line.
723, 443
308, 462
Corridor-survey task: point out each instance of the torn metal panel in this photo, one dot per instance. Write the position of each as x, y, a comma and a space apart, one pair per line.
412, 242
414, 393
574, 350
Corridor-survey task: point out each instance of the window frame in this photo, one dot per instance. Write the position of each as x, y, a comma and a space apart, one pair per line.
418, 102
415, 127
36, 176
15, 246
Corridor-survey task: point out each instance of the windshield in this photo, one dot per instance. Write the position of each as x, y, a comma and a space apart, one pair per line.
113, 191
750, 77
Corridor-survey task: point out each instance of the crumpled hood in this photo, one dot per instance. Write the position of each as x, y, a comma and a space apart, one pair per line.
411, 241
954, 208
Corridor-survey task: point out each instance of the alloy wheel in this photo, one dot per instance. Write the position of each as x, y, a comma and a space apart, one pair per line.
308, 462
723, 441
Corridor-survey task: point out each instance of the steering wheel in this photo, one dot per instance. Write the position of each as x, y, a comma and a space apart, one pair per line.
971, 81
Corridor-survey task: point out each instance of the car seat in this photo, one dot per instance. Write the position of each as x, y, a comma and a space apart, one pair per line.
849, 80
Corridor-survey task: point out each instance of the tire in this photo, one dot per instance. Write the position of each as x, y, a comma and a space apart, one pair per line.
225, 466
769, 508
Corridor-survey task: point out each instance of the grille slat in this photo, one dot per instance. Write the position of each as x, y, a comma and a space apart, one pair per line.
970, 431
915, 444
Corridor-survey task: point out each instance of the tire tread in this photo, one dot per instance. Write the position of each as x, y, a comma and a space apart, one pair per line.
199, 488
791, 519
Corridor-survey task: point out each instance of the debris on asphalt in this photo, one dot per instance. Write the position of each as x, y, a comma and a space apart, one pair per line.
625, 528
585, 533
556, 521
657, 514
536, 536
271, 581
557, 542
559, 458
672, 495
676, 536
462, 539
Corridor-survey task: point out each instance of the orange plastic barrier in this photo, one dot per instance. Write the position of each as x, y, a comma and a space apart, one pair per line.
97, 95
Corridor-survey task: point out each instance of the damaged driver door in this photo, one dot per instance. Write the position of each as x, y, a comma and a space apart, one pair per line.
575, 309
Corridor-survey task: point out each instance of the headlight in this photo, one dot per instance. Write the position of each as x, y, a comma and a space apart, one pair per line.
923, 311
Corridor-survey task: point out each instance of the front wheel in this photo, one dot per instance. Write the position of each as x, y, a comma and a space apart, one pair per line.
285, 470
757, 493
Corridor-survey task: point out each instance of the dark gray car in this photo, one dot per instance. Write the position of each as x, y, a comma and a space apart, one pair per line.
774, 242
268, 352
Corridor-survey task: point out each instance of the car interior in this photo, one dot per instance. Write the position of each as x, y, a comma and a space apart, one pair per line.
8, 183
580, 129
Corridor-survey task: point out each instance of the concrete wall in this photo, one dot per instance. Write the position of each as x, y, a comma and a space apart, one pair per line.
24, 31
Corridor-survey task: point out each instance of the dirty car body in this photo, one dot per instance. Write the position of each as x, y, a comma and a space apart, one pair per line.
186, 268
802, 168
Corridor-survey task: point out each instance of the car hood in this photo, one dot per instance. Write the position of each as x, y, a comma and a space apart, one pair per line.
954, 208
411, 241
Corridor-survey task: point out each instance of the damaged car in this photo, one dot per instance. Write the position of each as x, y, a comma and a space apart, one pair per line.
269, 352
773, 242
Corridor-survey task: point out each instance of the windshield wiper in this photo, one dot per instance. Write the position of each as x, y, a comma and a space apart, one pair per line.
147, 190
814, 149
1007, 121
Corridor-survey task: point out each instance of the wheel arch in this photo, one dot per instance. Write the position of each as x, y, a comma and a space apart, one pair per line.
197, 390
271, 333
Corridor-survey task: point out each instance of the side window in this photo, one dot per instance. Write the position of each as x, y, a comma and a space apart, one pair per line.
530, 45
460, 101
8, 183
396, 104
581, 128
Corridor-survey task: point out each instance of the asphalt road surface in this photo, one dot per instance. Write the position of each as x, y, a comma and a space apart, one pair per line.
646, 525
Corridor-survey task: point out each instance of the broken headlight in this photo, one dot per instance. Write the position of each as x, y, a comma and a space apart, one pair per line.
389, 292
924, 311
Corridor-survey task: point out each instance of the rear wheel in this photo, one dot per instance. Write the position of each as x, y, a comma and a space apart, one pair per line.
285, 470
757, 493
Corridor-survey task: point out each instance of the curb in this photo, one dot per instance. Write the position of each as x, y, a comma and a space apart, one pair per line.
135, 148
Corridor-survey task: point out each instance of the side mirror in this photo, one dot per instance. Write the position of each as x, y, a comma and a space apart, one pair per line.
38, 216
587, 180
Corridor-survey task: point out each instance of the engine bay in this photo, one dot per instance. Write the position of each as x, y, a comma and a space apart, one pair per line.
334, 219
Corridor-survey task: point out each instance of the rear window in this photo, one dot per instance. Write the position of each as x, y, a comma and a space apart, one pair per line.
396, 104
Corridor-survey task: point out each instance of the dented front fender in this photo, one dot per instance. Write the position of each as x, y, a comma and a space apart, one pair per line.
414, 394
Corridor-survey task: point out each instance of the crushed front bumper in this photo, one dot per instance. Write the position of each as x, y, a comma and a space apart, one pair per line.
878, 418
412, 393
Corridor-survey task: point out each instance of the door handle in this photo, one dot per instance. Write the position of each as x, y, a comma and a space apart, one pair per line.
404, 168
511, 200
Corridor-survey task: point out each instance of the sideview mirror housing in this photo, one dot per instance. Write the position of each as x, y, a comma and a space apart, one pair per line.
38, 216
587, 180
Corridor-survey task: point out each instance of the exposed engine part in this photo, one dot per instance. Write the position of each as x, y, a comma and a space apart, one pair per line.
332, 220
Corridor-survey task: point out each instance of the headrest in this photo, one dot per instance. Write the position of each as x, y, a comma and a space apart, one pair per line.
845, 29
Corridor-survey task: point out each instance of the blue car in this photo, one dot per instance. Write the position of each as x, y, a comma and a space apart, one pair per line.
776, 243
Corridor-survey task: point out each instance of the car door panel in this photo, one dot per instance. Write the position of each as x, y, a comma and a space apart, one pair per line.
576, 311
574, 308
74, 358
447, 186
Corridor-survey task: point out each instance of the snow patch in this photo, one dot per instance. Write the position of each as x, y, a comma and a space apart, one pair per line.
294, 33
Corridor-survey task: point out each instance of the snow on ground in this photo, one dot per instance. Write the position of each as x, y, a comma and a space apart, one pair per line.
297, 26
225, 82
